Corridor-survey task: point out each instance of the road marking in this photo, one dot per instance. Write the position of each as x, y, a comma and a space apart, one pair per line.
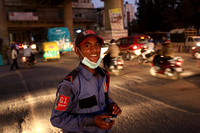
167, 105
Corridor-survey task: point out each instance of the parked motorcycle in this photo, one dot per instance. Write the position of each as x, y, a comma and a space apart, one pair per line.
170, 68
28, 61
149, 56
116, 65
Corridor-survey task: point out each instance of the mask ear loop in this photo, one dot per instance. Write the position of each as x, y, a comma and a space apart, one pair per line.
81, 53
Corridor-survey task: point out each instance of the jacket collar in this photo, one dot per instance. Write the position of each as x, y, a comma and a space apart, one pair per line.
87, 74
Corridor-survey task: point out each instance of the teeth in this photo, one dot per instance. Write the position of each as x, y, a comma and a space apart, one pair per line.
93, 55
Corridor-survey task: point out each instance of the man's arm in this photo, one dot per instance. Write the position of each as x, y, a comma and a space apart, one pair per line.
62, 117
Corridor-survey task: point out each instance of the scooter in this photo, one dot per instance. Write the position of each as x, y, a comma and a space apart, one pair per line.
170, 68
116, 65
196, 52
28, 61
149, 56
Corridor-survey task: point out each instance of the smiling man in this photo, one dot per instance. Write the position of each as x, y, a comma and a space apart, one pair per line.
83, 103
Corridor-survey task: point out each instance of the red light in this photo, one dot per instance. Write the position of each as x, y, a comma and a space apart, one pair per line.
134, 47
178, 63
119, 62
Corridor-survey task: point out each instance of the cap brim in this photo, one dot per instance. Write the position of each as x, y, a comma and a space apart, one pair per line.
101, 41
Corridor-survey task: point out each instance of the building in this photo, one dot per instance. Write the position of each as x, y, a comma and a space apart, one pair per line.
129, 14
28, 20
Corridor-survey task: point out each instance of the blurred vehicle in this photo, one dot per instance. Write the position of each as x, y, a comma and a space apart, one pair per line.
149, 56
29, 61
26, 44
170, 68
130, 46
61, 36
116, 65
21, 46
196, 52
185, 38
33, 47
50, 51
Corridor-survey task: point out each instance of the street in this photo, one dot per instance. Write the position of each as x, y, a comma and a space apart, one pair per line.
149, 104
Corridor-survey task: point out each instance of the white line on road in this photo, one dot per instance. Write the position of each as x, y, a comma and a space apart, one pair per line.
182, 110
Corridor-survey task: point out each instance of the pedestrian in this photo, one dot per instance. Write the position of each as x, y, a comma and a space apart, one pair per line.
83, 103
14, 58
7, 56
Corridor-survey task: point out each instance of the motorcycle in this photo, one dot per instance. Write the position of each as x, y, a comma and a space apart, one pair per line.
170, 68
196, 52
116, 64
28, 61
149, 56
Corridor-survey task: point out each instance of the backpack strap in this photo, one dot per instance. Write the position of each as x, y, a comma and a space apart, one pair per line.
71, 76
107, 86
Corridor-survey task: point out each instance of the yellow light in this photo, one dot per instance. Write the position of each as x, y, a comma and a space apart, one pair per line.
142, 37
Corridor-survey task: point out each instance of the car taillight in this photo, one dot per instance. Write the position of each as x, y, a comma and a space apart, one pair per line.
178, 63
134, 47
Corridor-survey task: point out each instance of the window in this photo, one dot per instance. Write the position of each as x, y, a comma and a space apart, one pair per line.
141, 40
118, 42
124, 41
130, 41
190, 39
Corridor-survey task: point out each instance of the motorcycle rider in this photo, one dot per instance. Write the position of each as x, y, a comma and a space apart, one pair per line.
150, 48
166, 53
29, 53
112, 52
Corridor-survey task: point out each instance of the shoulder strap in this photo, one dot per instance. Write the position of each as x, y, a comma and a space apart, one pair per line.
71, 76
107, 79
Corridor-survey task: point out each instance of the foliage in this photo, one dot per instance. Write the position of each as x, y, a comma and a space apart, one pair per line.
164, 15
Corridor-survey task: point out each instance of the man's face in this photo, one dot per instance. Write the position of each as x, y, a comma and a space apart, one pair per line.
91, 49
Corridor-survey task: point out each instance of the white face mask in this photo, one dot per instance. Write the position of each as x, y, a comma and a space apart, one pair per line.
89, 63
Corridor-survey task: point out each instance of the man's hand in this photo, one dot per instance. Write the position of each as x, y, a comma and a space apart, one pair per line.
114, 109
100, 122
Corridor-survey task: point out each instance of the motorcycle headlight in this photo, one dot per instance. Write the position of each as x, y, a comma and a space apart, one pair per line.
137, 52
193, 48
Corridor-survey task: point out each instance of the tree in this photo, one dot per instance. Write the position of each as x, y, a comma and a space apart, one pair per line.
190, 13
164, 15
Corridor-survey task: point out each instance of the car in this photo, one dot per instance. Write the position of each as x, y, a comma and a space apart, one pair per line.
130, 46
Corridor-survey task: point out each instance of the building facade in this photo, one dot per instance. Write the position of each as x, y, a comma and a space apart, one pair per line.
129, 14
28, 20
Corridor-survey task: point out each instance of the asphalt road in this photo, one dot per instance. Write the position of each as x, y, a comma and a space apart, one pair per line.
149, 104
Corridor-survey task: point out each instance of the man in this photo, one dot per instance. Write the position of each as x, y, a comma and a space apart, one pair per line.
29, 53
150, 48
14, 58
82, 103
112, 52
166, 52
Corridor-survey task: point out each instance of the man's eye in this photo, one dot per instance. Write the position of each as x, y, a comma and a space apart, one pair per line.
98, 44
87, 45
